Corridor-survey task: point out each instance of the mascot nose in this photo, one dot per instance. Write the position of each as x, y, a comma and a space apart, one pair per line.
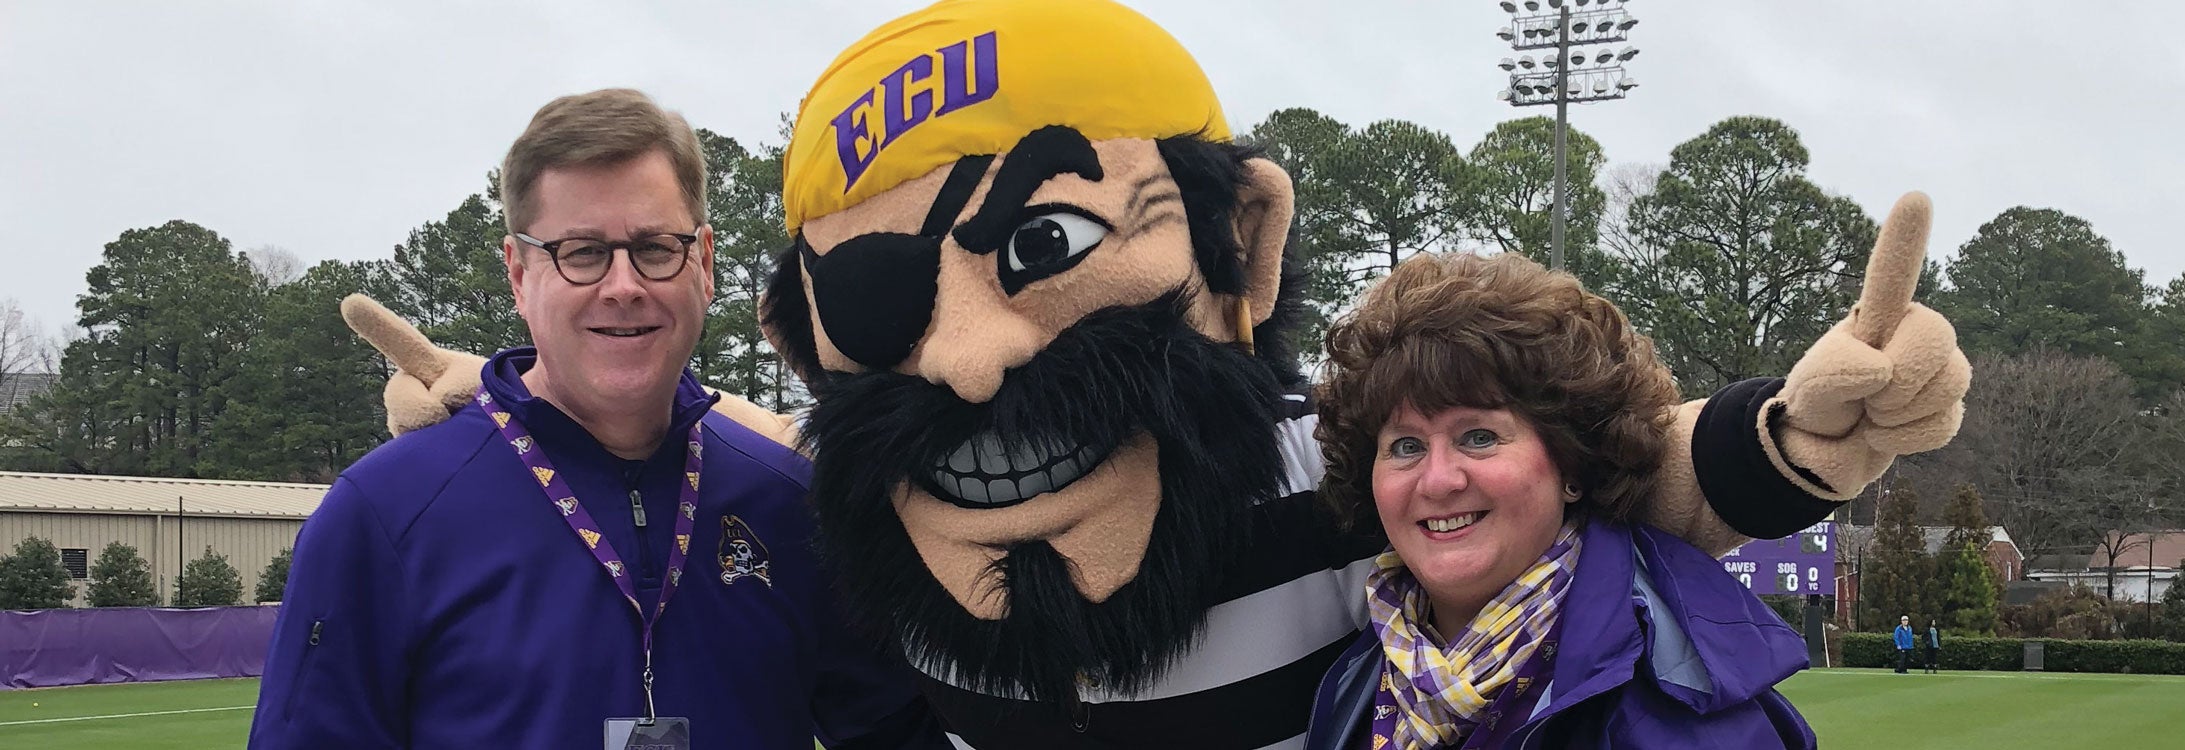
874, 294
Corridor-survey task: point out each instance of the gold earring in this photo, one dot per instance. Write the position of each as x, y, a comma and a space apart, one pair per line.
1244, 325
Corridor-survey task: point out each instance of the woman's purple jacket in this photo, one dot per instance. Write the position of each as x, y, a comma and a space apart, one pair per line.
1659, 648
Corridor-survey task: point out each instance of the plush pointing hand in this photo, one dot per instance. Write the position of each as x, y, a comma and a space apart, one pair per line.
1887, 381
429, 382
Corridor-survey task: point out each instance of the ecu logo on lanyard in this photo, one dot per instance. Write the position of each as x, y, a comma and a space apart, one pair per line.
741, 553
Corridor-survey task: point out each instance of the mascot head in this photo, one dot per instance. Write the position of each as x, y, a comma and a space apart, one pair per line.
1027, 277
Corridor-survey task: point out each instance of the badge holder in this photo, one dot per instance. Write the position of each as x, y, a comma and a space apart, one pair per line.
663, 733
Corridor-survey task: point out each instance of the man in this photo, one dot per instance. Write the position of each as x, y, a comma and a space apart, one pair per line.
1934, 644
586, 548
1903, 638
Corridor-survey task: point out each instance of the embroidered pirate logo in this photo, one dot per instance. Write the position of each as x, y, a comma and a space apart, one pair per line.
695, 452
690, 511
614, 567
523, 445
484, 397
742, 555
675, 576
568, 506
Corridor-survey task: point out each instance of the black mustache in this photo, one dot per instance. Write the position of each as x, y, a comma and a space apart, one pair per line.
1097, 384
1209, 407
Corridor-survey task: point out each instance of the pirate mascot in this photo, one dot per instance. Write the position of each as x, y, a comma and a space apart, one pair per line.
1061, 451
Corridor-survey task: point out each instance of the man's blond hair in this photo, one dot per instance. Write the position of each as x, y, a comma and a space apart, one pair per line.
602, 127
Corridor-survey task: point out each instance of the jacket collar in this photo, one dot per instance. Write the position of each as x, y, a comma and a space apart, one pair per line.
1345, 699
1639, 594
1743, 649
502, 376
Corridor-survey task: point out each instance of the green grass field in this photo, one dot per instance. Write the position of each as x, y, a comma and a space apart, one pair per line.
1878, 708
196, 714
1849, 708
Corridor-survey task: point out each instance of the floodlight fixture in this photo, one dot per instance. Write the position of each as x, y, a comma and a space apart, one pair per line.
1566, 75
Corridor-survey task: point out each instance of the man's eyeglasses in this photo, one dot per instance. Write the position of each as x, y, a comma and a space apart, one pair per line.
584, 261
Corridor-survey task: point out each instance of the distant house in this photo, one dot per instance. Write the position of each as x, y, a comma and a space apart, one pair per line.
2146, 564
1854, 545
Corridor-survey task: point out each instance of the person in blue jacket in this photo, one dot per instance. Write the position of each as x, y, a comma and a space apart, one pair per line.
586, 550
1905, 641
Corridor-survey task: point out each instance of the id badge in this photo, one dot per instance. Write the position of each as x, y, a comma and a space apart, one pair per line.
664, 733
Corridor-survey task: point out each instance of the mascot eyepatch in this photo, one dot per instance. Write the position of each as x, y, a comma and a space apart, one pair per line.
1062, 456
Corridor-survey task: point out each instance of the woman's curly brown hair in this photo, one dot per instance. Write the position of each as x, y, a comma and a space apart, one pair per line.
1494, 332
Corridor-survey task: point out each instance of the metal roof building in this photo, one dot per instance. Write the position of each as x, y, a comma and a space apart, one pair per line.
168, 521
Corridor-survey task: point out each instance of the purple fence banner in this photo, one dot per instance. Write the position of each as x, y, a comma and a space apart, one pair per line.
1802, 563
54, 647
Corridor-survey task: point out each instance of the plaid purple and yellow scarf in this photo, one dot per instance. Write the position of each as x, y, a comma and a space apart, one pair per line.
1442, 691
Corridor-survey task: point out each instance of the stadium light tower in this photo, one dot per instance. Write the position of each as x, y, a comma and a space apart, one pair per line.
1581, 76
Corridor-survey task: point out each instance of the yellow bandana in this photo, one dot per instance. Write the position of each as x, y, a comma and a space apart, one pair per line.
966, 77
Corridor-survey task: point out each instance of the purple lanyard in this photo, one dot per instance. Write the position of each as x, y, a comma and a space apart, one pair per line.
1517, 697
565, 502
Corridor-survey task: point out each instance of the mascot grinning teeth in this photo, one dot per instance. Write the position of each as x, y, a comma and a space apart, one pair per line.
1061, 454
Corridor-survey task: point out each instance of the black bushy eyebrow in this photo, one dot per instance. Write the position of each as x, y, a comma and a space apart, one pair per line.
1042, 155
963, 180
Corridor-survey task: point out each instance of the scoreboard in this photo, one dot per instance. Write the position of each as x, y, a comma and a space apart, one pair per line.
1802, 563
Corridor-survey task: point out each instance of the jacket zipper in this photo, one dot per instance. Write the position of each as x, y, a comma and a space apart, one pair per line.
303, 669
645, 565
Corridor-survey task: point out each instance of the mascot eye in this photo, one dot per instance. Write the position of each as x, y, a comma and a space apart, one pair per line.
1052, 238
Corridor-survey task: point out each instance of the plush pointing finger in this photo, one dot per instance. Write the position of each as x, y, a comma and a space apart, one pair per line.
404, 345
1892, 271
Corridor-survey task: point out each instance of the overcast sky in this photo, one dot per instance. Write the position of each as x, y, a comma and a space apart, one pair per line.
332, 129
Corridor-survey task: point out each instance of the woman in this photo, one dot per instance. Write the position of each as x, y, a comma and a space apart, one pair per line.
1500, 425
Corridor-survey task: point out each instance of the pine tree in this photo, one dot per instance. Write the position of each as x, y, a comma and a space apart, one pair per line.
275, 578
121, 578
209, 581
1969, 590
2172, 624
33, 578
1898, 569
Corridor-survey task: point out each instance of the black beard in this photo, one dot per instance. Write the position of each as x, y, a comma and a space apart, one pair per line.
1211, 410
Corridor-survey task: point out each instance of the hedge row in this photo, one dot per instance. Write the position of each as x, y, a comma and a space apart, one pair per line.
2008, 654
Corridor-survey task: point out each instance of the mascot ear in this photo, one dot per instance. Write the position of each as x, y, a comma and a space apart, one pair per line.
1265, 201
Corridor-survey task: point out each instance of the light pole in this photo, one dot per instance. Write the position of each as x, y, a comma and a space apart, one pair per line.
1562, 79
